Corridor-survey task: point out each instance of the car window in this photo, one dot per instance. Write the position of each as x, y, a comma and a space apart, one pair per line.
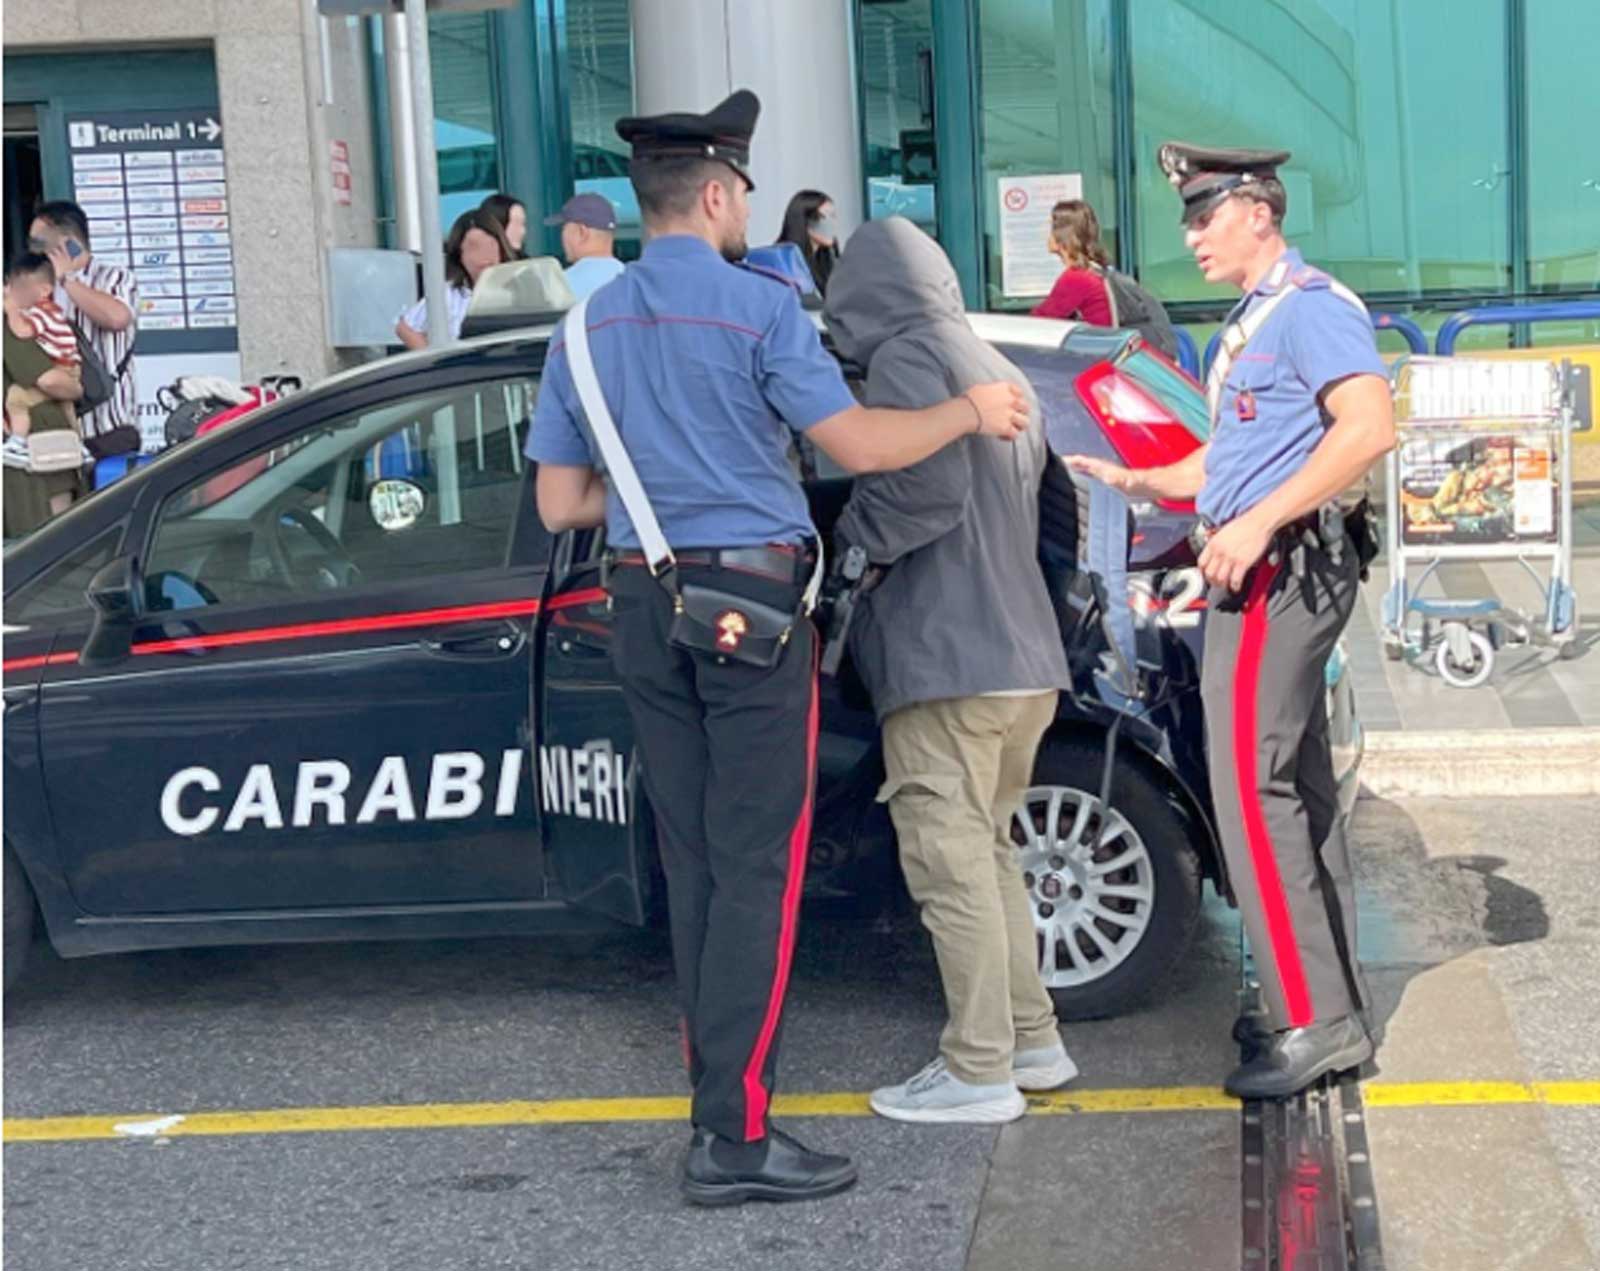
60, 588
428, 485
1172, 388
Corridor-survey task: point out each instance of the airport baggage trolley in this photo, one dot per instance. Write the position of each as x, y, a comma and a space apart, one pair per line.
1482, 472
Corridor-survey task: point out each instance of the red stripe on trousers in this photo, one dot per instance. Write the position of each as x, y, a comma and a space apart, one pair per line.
755, 1094
1269, 883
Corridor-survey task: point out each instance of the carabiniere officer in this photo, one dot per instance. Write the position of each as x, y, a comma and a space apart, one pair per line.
1300, 411
710, 370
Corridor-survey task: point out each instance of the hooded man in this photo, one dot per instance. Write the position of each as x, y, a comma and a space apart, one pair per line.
961, 650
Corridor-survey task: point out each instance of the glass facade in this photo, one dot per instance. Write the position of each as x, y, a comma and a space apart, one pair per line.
525, 101
1046, 108
895, 43
1443, 149
1563, 148
599, 47
464, 124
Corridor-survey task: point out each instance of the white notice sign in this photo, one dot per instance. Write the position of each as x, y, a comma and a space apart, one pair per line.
1026, 267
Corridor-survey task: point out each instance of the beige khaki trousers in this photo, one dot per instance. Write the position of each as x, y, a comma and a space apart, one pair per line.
956, 772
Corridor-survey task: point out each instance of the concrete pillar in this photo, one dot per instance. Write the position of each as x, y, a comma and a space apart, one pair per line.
798, 58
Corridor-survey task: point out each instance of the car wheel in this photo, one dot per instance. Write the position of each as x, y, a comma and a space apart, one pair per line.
19, 913
1115, 894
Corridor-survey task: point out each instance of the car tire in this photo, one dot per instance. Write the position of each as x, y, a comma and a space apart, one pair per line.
19, 919
1147, 827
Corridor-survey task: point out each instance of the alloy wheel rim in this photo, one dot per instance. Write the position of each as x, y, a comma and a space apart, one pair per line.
1090, 883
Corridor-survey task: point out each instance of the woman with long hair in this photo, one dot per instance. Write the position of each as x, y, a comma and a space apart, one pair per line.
809, 223
1080, 292
511, 214
476, 243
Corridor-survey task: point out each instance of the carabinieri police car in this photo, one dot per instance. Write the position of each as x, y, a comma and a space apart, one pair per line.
323, 675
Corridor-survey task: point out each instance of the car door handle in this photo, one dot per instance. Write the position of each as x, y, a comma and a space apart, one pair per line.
477, 640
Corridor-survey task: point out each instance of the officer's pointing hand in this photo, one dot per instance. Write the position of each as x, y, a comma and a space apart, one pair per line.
1102, 470
1002, 409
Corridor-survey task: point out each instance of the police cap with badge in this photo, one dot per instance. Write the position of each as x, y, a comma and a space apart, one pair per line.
722, 133
1204, 176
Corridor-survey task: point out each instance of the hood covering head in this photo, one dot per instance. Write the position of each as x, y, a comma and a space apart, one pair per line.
892, 278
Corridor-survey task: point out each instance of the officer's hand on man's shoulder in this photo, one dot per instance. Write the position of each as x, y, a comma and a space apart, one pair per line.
1002, 409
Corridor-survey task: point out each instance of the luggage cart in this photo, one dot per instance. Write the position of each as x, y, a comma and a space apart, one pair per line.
1482, 472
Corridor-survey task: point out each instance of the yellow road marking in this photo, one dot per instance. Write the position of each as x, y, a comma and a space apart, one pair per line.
441, 1116
1442, 1094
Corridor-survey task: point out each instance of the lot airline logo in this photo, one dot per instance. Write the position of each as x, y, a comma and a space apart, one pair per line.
588, 782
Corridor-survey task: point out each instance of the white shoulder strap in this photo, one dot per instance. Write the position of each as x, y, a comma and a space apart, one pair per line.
1242, 332
1234, 339
619, 467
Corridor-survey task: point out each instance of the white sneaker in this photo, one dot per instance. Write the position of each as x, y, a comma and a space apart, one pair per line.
14, 452
1043, 1068
934, 1095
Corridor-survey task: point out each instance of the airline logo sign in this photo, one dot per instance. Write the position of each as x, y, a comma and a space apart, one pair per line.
587, 782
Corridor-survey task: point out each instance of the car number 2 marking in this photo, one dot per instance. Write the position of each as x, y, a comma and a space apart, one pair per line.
1174, 599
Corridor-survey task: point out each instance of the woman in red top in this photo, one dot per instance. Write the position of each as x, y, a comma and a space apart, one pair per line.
1080, 292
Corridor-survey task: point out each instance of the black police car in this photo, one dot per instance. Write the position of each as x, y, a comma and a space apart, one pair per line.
322, 675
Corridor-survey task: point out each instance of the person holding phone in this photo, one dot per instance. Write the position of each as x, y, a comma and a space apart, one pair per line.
102, 301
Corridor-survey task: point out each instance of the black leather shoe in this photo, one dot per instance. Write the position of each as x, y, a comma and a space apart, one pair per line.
721, 1172
1298, 1056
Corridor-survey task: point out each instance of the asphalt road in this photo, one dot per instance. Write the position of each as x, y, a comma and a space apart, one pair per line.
1481, 930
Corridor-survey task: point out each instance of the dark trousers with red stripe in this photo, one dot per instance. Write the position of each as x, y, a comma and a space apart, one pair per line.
729, 762
1273, 785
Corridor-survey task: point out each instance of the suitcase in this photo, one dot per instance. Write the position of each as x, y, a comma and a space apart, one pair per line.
118, 466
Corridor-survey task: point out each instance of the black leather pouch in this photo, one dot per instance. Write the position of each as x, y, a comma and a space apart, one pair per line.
710, 620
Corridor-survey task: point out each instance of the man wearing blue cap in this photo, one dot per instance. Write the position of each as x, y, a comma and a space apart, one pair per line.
588, 237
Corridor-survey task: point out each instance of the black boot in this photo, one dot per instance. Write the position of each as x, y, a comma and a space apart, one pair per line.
719, 1171
1298, 1056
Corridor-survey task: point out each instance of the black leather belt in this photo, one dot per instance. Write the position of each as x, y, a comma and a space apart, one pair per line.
779, 562
1294, 532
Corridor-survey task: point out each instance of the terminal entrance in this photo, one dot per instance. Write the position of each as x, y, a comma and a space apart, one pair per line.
24, 174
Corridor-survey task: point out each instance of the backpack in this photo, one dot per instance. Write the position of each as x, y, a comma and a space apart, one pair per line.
1133, 306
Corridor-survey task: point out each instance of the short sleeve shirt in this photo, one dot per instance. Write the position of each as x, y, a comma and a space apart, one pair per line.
457, 300
1269, 419
709, 370
588, 275
114, 348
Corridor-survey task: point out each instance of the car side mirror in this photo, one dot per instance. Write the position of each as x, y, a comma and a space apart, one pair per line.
114, 593
396, 504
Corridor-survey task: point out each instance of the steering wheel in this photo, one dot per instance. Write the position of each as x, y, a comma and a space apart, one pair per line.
336, 570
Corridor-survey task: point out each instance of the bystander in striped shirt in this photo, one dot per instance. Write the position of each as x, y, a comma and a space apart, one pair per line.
115, 348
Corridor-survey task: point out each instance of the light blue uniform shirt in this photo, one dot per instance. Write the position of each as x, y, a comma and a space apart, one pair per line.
1269, 420
708, 370
588, 275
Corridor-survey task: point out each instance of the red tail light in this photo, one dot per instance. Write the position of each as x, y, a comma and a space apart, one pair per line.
1143, 432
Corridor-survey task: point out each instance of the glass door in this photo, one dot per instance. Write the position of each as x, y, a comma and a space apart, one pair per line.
919, 92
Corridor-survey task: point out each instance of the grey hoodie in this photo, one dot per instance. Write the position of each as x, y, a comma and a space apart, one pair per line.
964, 610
